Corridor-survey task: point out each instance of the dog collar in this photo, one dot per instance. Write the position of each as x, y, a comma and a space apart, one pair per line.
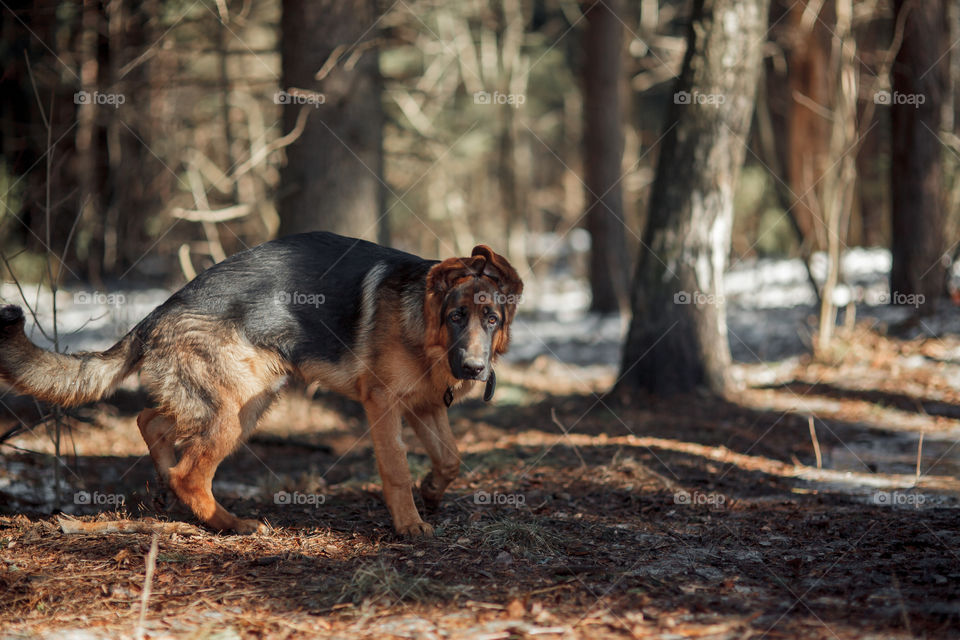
488, 390
491, 386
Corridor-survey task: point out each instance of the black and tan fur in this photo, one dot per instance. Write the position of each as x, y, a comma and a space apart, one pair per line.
402, 335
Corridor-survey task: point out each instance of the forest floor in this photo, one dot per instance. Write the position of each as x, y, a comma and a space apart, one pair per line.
577, 515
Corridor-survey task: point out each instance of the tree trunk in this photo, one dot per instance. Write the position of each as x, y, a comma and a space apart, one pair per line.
919, 75
678, 335
131, 32
836, 188
811, 85
333, 176
603, 155
91, 140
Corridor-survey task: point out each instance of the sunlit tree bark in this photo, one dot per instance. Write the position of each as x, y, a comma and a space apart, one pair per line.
678, 334
333, 177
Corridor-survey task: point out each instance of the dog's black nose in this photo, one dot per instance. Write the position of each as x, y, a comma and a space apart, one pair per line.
473, 367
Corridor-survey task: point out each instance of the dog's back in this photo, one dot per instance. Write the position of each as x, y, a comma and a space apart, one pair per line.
300, 296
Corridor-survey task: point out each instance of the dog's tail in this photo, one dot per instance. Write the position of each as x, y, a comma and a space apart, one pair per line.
66, 380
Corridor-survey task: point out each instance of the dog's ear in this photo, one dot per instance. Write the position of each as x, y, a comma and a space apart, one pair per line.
500, 271
510, 285
442, 276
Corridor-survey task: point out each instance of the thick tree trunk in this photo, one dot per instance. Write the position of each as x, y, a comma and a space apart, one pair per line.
919, 80
131, 33
603, 155
332, 179
678, 335
91, 140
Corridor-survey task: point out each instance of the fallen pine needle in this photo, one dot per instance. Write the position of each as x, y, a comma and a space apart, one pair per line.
816, 443
151, 562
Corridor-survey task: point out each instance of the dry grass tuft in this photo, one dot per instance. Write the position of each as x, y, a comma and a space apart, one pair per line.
526, 537
380, 582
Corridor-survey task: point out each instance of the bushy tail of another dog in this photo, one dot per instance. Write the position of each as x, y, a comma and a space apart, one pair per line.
66, 380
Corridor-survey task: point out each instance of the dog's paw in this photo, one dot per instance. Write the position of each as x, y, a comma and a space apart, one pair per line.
163, 500
431, 504
431, 499
416, 530
11, 320
11, 314
430, 493
247, 527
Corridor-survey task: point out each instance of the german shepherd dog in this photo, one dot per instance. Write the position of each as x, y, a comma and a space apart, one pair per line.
404, 336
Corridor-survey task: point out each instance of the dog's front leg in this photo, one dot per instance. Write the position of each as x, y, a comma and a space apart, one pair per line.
384, 417
433, 430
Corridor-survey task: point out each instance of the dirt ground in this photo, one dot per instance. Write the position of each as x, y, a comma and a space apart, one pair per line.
577, 515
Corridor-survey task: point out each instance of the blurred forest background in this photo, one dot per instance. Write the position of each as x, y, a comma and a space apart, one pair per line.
143, 142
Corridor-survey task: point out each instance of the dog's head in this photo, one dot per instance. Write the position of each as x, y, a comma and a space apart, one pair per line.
469, 305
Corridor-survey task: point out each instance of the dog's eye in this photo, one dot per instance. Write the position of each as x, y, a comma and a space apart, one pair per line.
492, 320
455, 316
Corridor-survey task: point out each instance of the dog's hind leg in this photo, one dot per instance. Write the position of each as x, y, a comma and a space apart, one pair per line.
433, 429
192, 477
214, 385
159, 432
